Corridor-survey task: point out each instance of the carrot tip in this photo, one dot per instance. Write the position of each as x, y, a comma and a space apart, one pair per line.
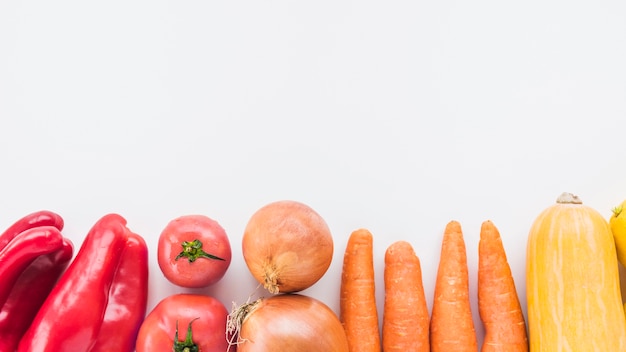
453, 226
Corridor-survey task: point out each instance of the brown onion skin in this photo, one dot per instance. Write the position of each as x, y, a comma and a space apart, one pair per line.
287, 246
292, 323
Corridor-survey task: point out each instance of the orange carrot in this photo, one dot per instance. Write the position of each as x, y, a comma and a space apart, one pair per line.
498, 303
451, 324
357, 308
405, 313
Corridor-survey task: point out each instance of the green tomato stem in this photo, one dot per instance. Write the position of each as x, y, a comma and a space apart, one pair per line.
188, 345
192, 250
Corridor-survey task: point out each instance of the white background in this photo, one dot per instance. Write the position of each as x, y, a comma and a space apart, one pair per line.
395, 116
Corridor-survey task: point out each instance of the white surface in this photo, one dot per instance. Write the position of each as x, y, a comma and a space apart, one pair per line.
394, 116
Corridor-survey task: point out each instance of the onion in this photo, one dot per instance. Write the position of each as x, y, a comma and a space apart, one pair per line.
287, 246
287, 323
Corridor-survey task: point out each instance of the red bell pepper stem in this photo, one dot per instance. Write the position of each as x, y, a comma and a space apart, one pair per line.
72, 316
18, 254
30, 291
128, 299
36, 219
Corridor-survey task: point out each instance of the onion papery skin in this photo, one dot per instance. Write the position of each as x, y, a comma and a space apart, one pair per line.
291, 323
287, 246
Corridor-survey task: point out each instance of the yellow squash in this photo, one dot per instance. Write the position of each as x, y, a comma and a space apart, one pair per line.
572, 281
618, 228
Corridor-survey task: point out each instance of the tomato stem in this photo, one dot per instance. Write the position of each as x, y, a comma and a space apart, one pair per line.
188, 345
192, 250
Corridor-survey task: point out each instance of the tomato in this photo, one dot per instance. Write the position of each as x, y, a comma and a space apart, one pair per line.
196, 322
193, 251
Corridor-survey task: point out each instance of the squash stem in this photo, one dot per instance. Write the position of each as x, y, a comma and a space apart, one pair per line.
568, 198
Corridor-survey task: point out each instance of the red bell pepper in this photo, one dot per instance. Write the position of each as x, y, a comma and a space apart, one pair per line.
100, 301
33, 254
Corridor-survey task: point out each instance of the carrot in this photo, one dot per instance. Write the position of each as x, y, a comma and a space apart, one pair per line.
451, 324
405, 313
498, 303
357, 308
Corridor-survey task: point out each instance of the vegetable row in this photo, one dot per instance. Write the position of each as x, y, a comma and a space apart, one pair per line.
51, 300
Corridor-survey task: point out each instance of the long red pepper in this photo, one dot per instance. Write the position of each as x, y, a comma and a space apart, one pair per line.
73, 316
128, 299
32, 220
18, 254
33, 255
30, 291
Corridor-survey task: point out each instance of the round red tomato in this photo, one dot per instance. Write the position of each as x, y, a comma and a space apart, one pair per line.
193, 251
184, 322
